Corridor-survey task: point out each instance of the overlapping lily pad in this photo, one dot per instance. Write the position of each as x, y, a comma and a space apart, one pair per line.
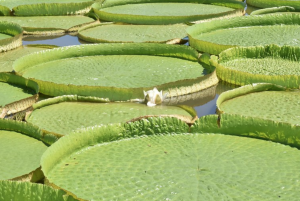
10, 36
273, 10
133, 33
116, 71
166, 11
266, 101
215, 36
272, 3
50, 24
47, 7
270, 64
21, 150
26, 191
7, 58
62, 115
17, 93
158, 159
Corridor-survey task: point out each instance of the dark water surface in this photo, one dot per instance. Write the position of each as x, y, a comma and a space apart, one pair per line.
204, 102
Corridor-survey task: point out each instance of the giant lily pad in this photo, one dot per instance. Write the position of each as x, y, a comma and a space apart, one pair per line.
21, 150
116, 71
157, 159
133, 33
266, 101
215, 36
26, 191
56, 115
7, 58
16, 93
270, 64
10, 36
272, 3
110, 3
50, 24
167, 12
47, 7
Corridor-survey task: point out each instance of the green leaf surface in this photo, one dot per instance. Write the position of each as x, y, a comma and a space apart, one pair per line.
20, 154
48, 24
12, 93
215, 36
132, 71
110, 3
4, 11
49, 7
276, 105
26, 191
233, 124
270, 64
13, 3
273, 10
7, 58
122, 74
163, 13
17, 93
272, 3
10, 36
4, 36
64, 117
133, 33
177, 166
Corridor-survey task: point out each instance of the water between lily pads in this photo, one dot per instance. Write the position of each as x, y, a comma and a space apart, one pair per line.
204, 102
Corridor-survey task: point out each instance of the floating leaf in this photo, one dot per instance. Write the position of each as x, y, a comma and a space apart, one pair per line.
21, 149
163, 163
50, 24
263, 100
122, 74
133, 33
218, 35
56, 115
17, 93
167, 12
270, 64
10, 36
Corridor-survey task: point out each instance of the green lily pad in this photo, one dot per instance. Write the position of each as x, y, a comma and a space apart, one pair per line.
50, 24
215, 36
270, 3
56, 115
270, 64
166, 12
47, 7
133, 33
7, 58
122, 74
26, 191
169, 164
273, 10
266, 101
21, 149
17, 93
10, 36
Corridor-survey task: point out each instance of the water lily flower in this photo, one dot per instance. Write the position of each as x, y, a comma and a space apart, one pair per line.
153, 97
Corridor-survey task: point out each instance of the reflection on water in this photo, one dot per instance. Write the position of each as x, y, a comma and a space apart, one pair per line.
195, 99
59, 40
204, 101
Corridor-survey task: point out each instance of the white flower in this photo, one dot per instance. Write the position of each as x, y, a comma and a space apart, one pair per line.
153, 97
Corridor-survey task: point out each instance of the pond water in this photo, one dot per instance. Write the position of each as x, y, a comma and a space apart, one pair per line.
203, 102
